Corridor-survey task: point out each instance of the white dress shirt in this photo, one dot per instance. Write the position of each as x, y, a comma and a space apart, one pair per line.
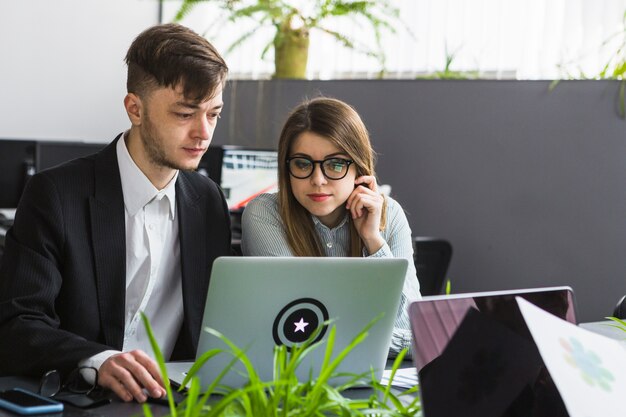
153, 275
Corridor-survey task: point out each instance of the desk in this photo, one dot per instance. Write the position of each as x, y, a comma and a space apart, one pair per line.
116, 408
120, 409
605, 328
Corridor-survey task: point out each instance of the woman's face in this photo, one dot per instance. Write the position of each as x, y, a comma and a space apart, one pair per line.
322, 197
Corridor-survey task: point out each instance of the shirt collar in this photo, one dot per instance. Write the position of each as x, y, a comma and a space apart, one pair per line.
319, 224
136, 187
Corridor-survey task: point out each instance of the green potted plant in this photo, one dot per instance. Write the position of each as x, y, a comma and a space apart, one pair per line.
293, 22
285, 394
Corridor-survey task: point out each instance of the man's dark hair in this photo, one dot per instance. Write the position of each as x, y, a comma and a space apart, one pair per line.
169, 55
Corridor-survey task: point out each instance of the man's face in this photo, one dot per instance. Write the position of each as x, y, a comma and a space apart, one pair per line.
175, 132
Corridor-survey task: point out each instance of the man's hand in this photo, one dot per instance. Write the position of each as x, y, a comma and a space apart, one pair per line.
127, 374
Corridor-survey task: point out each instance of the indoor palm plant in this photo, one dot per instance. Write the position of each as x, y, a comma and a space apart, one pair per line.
613, 69
285, 394
293, 20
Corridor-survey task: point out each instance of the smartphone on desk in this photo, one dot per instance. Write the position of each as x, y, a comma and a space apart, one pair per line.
21, 401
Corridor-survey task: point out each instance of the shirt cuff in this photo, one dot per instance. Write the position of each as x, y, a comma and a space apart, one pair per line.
383, 252
95, 361
401, 339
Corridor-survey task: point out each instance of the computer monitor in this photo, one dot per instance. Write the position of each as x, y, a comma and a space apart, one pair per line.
53, 153
17, 165
211, 163
242, 172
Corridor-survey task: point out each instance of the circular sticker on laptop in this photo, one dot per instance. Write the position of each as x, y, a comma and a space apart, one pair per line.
297, 321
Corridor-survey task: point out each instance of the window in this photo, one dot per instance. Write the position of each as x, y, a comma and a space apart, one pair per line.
529, 39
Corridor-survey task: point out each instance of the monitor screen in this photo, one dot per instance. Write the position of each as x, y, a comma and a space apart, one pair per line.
211, 163
247, 173
53, 153
17, 165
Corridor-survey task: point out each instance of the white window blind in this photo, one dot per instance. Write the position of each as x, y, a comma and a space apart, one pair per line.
529, 39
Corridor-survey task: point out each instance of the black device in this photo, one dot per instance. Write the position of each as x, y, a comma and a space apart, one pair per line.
53, 153
620, 308
476, 356
17, 165
22, 401
211, 163
21, 159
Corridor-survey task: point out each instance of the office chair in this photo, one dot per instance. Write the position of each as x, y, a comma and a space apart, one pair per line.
620, 308
432, 257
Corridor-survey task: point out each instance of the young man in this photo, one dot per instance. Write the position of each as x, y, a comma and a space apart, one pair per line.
130, 229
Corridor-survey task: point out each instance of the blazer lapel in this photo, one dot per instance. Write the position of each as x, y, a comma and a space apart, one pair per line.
109, 244
192, 250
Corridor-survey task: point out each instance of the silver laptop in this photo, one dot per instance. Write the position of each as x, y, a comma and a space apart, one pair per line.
261, 302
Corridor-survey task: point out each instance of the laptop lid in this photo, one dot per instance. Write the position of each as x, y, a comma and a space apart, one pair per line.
474, 352
261, 302
435, 319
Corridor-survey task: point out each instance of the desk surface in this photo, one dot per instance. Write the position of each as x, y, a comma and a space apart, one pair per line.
606, 328
120, 409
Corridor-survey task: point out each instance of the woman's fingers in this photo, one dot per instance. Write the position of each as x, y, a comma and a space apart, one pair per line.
365, 184
367, 180
361, 202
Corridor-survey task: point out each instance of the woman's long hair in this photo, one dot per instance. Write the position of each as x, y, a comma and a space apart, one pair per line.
341, 124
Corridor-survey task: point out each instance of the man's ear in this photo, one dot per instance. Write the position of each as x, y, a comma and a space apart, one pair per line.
134, 108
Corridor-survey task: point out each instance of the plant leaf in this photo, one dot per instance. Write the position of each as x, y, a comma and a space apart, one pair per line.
160, 362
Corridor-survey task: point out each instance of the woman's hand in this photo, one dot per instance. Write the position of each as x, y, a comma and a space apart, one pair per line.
365, 205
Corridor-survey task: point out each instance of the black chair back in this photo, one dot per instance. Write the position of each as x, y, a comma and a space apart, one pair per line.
620, 308
432, 257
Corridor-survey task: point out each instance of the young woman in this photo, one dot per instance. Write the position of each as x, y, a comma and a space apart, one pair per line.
328, 203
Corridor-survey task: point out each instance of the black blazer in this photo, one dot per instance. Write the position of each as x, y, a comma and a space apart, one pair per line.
63, 273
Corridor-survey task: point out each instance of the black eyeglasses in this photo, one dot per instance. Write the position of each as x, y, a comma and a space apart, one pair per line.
82, 380
332, 168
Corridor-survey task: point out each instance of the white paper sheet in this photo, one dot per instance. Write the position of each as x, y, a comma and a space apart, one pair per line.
588, 369
404, 377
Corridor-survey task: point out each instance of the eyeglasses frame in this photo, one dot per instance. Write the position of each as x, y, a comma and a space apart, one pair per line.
321, 164
76, 372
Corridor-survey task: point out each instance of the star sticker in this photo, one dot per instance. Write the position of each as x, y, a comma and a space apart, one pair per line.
300, 325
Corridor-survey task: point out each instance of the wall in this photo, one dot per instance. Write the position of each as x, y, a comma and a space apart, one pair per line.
62, 74
527, 184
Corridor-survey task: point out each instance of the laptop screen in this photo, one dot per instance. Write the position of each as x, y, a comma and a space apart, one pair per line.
435, 319
475, 354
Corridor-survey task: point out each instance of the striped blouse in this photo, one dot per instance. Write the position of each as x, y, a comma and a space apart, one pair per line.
263, 235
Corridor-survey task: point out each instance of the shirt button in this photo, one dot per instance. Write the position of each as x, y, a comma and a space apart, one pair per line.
329, 245
151, 226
